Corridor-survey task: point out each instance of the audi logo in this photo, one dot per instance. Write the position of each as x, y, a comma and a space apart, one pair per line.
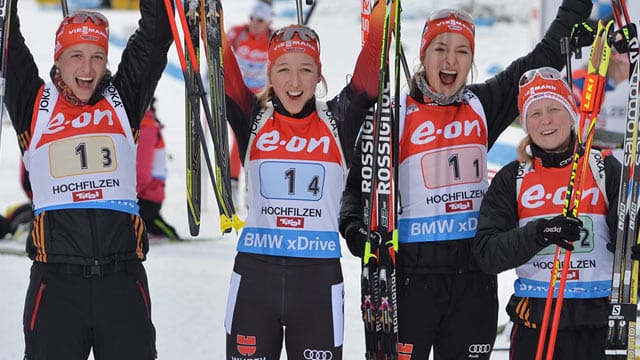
317, 354
479, 348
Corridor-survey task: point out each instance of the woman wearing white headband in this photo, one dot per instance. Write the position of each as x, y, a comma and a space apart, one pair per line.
520, 224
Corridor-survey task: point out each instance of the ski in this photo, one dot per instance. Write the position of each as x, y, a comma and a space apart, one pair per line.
192, 114
218, 121
378, 281
197, 89
5, 20
592, 96
621, 332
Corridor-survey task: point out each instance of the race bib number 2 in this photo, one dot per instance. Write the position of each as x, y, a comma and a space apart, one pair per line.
82, 155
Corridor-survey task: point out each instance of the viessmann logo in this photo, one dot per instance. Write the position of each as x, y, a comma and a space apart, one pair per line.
290, 222
458, 206
87, 195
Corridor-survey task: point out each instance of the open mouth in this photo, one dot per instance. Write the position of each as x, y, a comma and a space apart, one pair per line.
448, 77
294, 94
84, 82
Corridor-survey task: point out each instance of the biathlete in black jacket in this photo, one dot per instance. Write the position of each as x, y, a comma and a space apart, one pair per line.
77, 133
520, 223
287, 281
445, 301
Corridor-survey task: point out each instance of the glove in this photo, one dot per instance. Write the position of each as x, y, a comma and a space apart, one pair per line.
622, 38
611, 246
635, 252
356, 236
582, 35
560, 230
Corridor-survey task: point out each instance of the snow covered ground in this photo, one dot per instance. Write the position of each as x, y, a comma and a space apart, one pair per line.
189, 281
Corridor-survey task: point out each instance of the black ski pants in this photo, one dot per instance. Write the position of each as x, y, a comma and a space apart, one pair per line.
456, 314
71, 309
571, 344
271, 298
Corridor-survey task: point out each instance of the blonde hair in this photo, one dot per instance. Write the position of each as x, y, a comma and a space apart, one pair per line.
523, 154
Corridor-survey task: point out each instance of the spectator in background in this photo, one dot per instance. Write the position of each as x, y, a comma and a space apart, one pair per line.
151, 173
250, 42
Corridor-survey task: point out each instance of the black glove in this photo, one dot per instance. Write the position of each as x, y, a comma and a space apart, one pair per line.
611, 246
560, 230
582, 35
4, 226
622, 38
356, 236
635, 252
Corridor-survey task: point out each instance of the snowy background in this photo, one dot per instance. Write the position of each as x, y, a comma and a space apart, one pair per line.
188, 281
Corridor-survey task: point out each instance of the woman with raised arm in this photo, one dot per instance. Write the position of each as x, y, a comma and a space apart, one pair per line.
77, 132
445, 301
287, 281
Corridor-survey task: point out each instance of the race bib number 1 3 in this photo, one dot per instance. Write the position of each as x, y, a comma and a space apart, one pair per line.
82, 155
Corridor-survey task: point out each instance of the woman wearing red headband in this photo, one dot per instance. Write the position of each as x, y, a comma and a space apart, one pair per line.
287, 280
519, 226
77, 133
445, 301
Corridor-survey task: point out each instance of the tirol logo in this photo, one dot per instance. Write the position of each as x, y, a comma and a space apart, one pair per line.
459, 206
573, 275
246, 345
290, 221
87, 195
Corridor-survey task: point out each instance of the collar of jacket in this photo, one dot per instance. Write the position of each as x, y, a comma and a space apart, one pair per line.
97, 93
422, 92
558, 160
308, 108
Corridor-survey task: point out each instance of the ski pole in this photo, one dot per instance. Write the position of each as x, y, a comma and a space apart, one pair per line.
589, 109
5, 21
299, 12
308, 17
229, 219
65, 7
